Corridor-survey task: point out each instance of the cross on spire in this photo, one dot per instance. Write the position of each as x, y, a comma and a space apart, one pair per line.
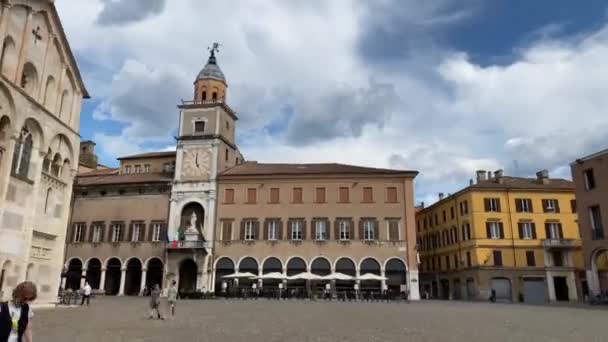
37, 35
215, 47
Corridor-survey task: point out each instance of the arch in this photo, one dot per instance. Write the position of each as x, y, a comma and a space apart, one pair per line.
392, 260
29, 79
223, 267
113, 267
106, 263
204, 95
154, 272
74, 274
50, 90
295, 265
93, 276
320, 266
346, 265
214, 96
188, 272
9, 58
192, 213
46, 162
133, 276
248, 262
369, 265
56, 165
62, 145
599, 269
503, 288
129, 259
272, 264
5, 127
396, 272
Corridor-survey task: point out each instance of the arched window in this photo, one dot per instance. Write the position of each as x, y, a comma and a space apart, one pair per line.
8, 58
47, 200
214, 96
23, 153
56, 165
49, 92
204, 96
29, 78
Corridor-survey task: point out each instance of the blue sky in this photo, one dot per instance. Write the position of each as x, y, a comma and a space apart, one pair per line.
441, 86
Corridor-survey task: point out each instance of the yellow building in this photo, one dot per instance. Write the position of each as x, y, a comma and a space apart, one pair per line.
517, 236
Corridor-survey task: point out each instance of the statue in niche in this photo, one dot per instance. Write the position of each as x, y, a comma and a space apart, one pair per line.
192, 227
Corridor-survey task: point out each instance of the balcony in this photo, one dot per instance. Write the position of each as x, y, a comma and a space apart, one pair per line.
177, 245
560, 243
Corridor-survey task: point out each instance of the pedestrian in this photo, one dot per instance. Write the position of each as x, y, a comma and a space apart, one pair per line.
86, 293
155, 302
172, 296
493, 296
16, 315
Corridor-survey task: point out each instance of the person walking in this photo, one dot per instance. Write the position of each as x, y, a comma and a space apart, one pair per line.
172, 296
16, 314
86, 293
155, 302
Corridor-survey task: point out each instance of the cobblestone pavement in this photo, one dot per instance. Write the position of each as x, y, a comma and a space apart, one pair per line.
124, 319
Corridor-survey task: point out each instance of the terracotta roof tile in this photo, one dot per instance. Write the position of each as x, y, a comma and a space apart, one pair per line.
265, 169
525, 183
150, 155
115, 179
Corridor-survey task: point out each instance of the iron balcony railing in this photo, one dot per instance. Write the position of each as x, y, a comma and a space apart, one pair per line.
188, 244
559, 243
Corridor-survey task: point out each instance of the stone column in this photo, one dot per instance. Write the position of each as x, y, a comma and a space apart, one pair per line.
260, 281
382, 282
123, 275
413, 285
102, 280
83, 279
63, 281
142, 284
357, 282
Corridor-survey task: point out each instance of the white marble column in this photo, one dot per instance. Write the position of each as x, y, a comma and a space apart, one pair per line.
83, 279
413, 285
123, 275
142, 284
102, 280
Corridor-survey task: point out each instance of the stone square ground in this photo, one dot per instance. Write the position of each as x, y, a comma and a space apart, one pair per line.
124, 319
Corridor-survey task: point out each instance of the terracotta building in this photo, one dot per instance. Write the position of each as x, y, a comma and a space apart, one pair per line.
590, 175
201, 212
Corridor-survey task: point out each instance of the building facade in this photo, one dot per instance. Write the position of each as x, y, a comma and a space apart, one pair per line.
40, 98
201, 212
590, 175
517, 236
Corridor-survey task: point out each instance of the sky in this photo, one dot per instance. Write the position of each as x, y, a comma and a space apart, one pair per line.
445, 87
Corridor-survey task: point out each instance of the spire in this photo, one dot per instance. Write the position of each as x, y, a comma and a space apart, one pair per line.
212, 50
211, 69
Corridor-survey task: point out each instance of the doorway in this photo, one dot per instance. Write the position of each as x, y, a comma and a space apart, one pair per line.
561, 288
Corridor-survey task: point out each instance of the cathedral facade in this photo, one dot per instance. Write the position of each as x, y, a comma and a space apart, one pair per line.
201, 213
40, 98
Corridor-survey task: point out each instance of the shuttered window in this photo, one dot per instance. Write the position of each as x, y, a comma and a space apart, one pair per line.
492, 204
393, 230
226, 230
497, 258
274, 195
551, 206
523, 205
368, 195
344, 195
251, 196
530, 259
320, 195
297, 195
229, 196
494, 230
527, 230
391, 195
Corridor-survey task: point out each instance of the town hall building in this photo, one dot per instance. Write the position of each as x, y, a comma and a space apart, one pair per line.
202, 212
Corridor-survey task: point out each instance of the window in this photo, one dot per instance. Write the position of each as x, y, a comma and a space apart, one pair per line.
147, 168
204, 95
249, 230
497, 255
274, 195
226, 230
469, 264
156, 232
523, 205
251, 196
573, 206
393, 230
214, 96
128, 169
344, 195
227, 125
229, 196
368, 195
589, 179
553, 230
530, 259
320, 195
199, 126
436, 219
455, 261
297, 195
137, 168
138, 229
466, 207
494, 230
550, 206
369, 230
297, 231
452, 213
597, 229
227, 154
79, 230
22, 154
424, 223
320, 230
447, 262
558, 258
116, 232
273, 230
344, 230
527, 230
391, 195
492, 204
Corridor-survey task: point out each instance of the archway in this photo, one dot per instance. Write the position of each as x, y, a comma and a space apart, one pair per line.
113, 274
74, 274
188, 271
154, 273
94, 273
272, 265
370, 265
223, 267
295, 266
395, 271
599, 262
133, 277
345, 266
322, 267
502, 286
192, 215
29, 79
250, 265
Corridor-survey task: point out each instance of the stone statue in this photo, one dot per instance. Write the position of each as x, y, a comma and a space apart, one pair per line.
192, 227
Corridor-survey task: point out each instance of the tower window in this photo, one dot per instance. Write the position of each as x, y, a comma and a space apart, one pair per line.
199, 126
204, 96
214, 96
227, 154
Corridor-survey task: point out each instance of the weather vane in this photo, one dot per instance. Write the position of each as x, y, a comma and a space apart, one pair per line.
214, 48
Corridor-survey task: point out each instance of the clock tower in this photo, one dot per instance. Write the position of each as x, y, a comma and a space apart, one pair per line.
205, 147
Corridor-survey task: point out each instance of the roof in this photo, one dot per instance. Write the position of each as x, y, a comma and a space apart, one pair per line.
267, 169
164, 154
591, 156
211, 70
114, 178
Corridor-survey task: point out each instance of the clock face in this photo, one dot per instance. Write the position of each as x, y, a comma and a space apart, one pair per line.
196, 163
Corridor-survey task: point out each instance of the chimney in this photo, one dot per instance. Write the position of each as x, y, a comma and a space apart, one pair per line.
498, 174
471, 182
440, 196
422, 204
489, 175
542, 176
481, 175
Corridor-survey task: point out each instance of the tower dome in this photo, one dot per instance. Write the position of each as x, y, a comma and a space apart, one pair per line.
211, 69
210, 84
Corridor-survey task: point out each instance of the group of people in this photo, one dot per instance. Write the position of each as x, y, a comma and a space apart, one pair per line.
155, 295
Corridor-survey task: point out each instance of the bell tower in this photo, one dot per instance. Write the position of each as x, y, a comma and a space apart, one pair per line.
210, 84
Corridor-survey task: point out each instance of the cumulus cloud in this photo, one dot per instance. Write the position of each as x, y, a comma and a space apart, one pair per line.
120, 12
